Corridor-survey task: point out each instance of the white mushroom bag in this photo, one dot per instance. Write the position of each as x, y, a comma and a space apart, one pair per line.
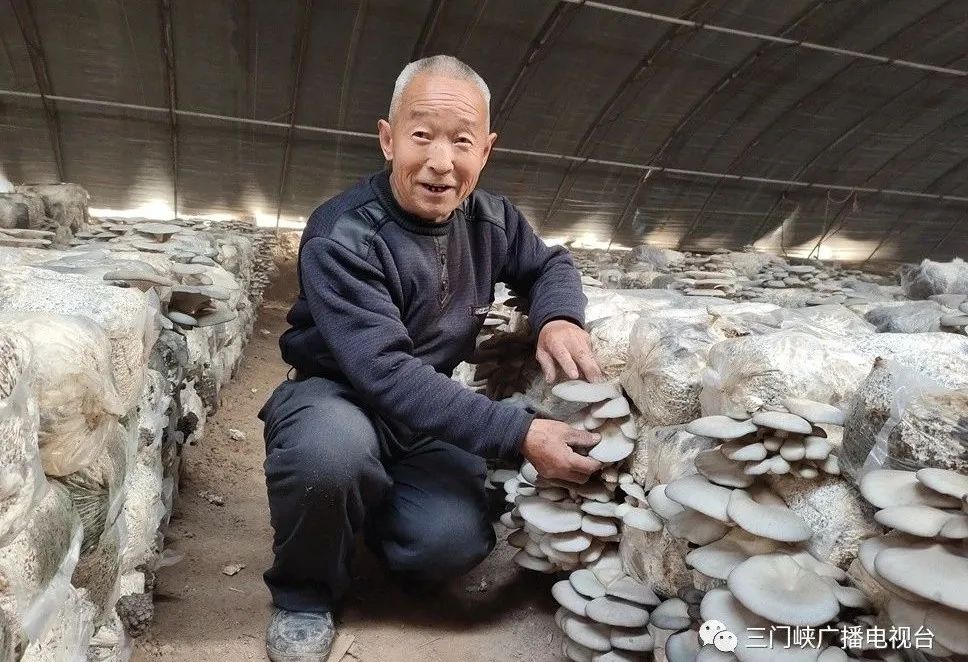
750, 373
927, 427
72, 382
22, 481
667, 355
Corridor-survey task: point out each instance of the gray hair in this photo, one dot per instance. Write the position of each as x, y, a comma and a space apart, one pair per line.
441, 65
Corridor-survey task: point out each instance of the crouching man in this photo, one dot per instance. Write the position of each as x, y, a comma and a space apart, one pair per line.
370, 435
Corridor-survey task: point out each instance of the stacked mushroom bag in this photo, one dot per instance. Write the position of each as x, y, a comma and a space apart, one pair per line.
918, 571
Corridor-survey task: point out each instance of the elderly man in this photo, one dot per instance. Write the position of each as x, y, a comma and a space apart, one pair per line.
370, 434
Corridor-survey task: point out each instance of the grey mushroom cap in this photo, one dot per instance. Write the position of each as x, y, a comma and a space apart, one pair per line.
891, 487
663, 506
867, 553
815, 412
720, 557
947, 626
695, 527
944, 481
775, 522
629, 589
720, 427
923, 521
586, 632
586, 583
719, 604
776, 587
614, 408
719, 469
672, 614
550, 516
779, 420
698, 493
614, 445
682, 646
933, 572
636, 640
577, 390
617, 612
642, 519
566, 596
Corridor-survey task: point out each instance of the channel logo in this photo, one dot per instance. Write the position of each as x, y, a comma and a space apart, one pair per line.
715, 633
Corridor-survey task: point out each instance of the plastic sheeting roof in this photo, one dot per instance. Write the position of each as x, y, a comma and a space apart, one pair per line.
568, 79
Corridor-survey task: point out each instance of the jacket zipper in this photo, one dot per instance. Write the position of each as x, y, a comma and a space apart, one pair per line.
444, 275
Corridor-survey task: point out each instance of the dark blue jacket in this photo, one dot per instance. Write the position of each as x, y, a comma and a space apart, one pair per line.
391, 304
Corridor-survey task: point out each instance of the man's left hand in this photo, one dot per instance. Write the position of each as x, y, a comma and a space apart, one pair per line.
569, 346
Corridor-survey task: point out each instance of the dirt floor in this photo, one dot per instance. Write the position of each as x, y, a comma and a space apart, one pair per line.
498, 612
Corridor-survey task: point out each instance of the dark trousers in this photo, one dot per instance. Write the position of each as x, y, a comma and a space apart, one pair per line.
335, 469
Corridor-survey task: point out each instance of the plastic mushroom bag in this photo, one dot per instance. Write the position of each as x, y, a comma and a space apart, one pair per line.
73, 384
123, 314
927, 427
36, 567
97, 491
911, 317
22, 481
754, 372
908, 415
663, 454
928, 278
69, 634
611, 339
667, 356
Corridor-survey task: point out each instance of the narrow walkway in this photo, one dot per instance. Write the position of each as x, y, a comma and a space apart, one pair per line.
495, 614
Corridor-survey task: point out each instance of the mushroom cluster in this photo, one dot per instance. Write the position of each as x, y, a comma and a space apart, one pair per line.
605, 614
771, 442
503, 360
922, 563
710, 283
563, 526
742, 533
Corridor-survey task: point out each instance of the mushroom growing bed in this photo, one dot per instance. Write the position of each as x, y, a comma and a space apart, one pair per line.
113, 349
724, 512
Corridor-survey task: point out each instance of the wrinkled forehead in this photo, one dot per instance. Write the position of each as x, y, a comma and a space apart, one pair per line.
444, 99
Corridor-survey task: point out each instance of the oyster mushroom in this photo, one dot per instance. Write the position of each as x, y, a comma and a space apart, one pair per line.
776, 587
891, 487
779, 420
720, 427
698, 493
815, 412
661, 504
566, 595
944, 481
614, 408
577, 390
586, 583
671, 615
932, 572
550, 516
769, 521
617, 612
718, 558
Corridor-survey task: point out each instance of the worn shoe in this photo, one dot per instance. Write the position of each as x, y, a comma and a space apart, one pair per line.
299, 636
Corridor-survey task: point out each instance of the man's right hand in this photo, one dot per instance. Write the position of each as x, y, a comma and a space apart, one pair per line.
548, 447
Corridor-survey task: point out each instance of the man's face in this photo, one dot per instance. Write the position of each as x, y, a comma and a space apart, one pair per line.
438, 142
